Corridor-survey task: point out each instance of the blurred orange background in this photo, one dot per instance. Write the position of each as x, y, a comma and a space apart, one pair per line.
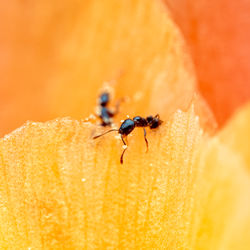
36, 80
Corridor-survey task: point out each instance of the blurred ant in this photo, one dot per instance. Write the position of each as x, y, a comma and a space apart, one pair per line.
128, 126
106, 114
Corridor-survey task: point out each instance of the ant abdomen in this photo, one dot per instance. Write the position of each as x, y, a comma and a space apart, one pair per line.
127, 127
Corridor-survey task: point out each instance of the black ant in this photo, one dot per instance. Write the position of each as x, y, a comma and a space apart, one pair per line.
105, 113
128, 126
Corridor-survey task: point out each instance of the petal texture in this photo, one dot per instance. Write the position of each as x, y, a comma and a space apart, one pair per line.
59, 188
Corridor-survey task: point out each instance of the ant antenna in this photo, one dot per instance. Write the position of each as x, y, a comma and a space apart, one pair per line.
111, 130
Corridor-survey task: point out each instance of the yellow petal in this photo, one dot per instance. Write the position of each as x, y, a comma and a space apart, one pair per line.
236, 134
59, 188
222, 212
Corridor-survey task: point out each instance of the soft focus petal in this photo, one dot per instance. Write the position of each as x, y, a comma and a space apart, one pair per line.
237, 134
59, 188
56, 57
216, 32
223, 206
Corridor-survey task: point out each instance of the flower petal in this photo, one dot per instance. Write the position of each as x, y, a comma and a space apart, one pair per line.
59, 187
236, 133
216, 34
73, 48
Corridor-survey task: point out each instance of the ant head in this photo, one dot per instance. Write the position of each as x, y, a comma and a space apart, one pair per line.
149, 119
154, 122
104, 99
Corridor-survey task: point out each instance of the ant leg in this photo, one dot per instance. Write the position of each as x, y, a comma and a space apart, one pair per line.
125, 148
117, 106
145, 138
111, 113
114, 112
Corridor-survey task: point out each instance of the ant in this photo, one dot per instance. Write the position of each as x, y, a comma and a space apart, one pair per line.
105, 114
128, 126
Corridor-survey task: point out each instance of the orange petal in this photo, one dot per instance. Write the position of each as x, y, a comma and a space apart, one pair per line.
59, 188
68, 51
216, 33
